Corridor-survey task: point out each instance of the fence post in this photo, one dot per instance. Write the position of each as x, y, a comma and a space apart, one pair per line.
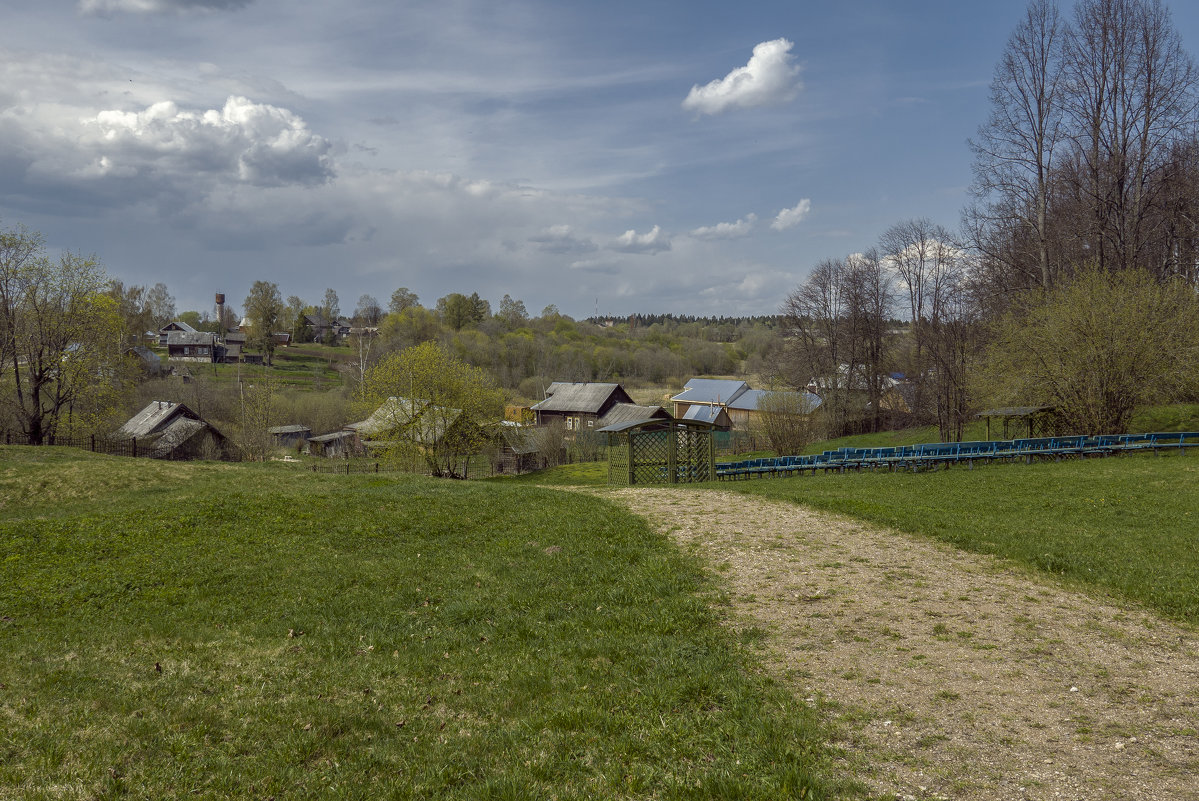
347, 467
376, 467
134, 445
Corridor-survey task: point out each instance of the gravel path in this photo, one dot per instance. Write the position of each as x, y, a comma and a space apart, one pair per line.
951, 675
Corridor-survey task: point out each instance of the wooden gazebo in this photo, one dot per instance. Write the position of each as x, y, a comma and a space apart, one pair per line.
1037, 420
660, 452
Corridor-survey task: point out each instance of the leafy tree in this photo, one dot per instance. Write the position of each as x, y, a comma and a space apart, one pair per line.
432, 405
1096, 347
456, 310
264, 308
403, 298
59, 334
133, 309
412, 326
513, 312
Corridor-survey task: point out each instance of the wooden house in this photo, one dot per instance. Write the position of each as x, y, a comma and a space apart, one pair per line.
167, 430
197, 346
579, 405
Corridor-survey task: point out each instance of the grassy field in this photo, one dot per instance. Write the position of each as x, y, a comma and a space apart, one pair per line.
216, 631
1126, 525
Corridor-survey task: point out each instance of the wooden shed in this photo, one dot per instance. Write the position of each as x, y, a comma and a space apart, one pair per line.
660, 452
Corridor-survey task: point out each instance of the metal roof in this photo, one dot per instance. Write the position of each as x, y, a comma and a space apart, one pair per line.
749, 399
293, 429
631, 412
154, 417
711, 390
703, 413
177, 325
587, 398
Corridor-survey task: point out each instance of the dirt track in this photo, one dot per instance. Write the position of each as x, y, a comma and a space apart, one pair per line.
951, 675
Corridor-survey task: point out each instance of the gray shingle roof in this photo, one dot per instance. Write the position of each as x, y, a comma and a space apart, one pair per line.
632, 413
190, 338
586, 398
153, 418
711, 390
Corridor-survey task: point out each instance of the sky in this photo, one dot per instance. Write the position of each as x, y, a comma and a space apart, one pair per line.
618, 157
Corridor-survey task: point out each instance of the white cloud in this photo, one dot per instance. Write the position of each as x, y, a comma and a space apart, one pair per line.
158, 6
770, 78
725, 230
252, 142
789, 218
654, 241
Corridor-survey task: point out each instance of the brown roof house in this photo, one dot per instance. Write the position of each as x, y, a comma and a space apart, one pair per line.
579, 405
167, 430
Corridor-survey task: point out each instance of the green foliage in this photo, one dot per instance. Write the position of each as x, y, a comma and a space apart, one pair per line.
1097, 348
60, 336
1125, 525
228, 631
264, 310
427, 401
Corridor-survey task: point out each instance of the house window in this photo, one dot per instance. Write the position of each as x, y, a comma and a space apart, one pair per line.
590, 423
570, 423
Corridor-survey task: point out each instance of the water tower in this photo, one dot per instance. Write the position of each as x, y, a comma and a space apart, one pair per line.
220, 314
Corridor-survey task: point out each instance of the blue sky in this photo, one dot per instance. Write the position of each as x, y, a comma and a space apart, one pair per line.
692, 157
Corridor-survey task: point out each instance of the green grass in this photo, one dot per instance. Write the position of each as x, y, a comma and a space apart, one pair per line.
217, 631
581, 474
1124, 525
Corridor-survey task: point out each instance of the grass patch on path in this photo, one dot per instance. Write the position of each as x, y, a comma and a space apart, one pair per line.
218, 631
1128, 525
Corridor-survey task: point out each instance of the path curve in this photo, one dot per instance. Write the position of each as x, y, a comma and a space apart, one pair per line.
949, 674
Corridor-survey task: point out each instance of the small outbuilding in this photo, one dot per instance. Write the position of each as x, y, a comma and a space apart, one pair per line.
289, 436
660, 452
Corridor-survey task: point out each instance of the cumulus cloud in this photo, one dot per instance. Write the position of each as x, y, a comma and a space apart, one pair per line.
726, 230
562, 239
789, 218
158, 6
254, 143
654, 241
770, 78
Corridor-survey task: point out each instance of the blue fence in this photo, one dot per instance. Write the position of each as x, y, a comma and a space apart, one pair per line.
944, 454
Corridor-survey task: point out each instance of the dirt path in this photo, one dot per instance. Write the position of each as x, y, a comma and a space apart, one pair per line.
951, 675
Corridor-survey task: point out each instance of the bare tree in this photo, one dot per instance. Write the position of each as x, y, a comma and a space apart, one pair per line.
925, 261
1132, 96
1014, 151
368, 312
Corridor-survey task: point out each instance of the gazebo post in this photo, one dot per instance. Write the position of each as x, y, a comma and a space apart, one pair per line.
672, 456
632, 466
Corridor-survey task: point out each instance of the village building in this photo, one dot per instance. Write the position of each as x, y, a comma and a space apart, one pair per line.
196, 346
167, 430
579, 405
